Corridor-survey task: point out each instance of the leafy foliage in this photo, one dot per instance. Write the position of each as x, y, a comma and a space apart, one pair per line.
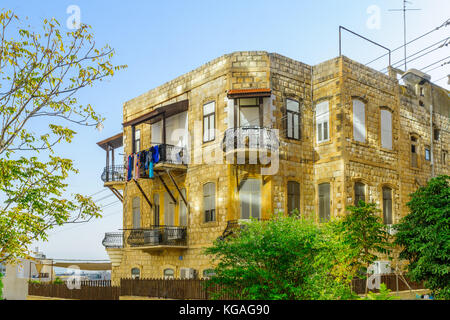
1, 286
424, 235
284, 258
364, 234
40, 74
384, 294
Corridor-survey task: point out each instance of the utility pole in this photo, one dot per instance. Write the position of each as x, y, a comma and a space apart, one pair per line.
404, 24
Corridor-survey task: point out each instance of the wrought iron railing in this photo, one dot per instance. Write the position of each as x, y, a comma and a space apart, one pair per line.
113, 173
156, 236
250, 137
113, 240
173, 154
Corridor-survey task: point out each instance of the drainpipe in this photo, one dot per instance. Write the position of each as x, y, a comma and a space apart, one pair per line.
431, 133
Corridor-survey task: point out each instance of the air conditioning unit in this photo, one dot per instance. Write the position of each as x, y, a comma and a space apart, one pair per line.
391, 230
187, 273
381, 267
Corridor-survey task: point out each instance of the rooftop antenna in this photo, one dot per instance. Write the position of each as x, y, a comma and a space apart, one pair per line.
404, 23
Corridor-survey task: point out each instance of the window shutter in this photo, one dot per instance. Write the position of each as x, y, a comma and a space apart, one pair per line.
386, 129
359, 121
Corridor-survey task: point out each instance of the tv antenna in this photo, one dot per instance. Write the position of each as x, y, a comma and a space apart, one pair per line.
404, 23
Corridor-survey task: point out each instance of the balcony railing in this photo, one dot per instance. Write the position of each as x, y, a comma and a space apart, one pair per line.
173, 154
113, 240
113, 173
157, 236
250, 138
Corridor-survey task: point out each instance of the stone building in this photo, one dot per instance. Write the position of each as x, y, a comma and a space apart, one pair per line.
253, 133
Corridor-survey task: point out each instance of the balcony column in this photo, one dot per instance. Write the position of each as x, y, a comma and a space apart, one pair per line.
107, 162
112, 157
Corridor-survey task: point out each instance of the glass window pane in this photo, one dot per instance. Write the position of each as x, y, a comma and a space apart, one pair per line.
292, 105
319, 132
386, 129
296, 126
387, 205
324, 202
209, 108
325, 131
248, 102
289, 125
359, 121
211, 127
249, 116
250, 198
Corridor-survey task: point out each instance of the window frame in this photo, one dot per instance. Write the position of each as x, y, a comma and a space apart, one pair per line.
327, 214
290, 195
320, 120
137, 141
166, 277
358, 197
385, 215
253, 196
391, 129
207, 117
133, 212
209, 214
363, 120
294, 113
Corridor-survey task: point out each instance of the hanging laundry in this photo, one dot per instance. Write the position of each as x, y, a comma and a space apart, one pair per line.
150, 170
136, 168
130, 167
155, 154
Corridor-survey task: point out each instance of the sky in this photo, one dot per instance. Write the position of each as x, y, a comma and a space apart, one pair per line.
160, 40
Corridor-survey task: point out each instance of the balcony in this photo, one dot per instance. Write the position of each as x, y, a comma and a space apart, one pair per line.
172, 157
157, 237
113, 174
113, 240
246, 140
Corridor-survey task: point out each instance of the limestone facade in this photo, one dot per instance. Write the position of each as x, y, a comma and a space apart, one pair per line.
341, 161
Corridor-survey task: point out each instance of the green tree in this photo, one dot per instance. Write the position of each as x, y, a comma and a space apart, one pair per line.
1, 286
424, 235
284, 258
40, 75
384, 294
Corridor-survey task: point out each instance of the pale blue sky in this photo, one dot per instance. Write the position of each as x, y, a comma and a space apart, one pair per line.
160, 40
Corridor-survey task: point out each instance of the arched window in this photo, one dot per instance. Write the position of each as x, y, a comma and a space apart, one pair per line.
386, 129
322, 122
324, 202
169, 273
250, 198
135, 273
209, 201
359, 120
387, 205
293, 196
136, 211
359, 192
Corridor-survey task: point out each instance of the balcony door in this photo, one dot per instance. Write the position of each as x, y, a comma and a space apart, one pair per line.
250, 112
250, 199
169, 210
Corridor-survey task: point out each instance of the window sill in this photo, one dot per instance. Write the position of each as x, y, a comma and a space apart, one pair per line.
323, 143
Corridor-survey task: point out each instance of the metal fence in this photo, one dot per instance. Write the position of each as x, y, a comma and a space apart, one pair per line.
113, 173
392, 282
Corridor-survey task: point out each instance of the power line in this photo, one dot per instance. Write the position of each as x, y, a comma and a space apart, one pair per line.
434, 63
446, 23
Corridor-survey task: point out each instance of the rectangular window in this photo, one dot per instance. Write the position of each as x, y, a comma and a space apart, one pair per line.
209, 201
324, 202
136, 211
322, 121
293, 119
156, 210
359, 192
250, 199
413, 153
427, 154
209, 114
359, 121
444, 158
183, 209
386, 129
169, 210
137, 140
387, 205
249, 115
156, 129
293, 196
